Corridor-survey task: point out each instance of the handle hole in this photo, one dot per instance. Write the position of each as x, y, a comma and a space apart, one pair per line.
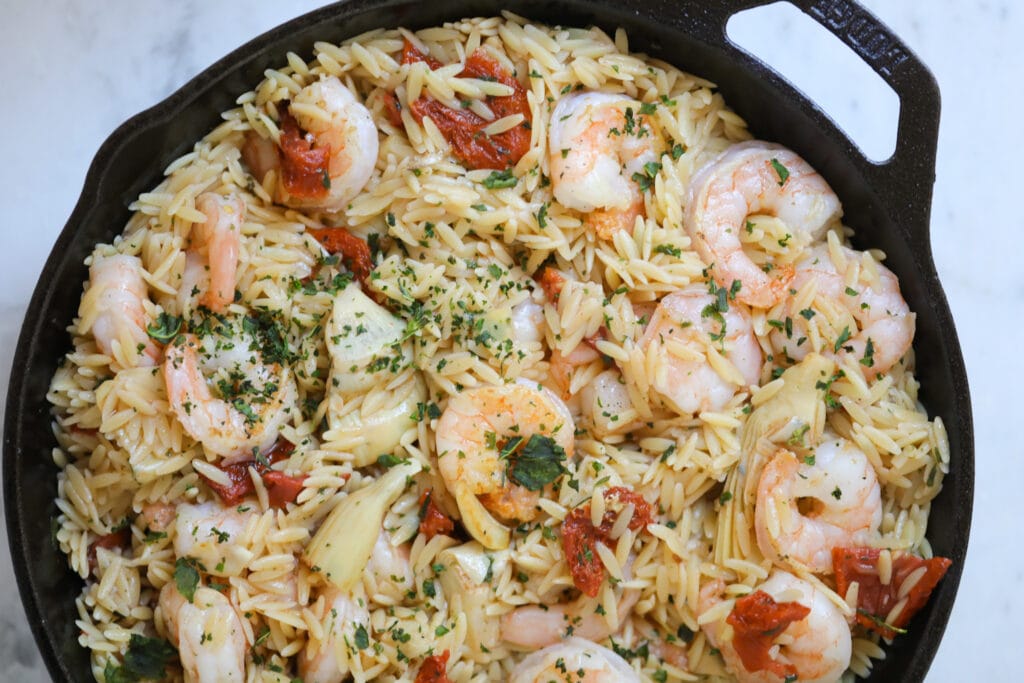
804, 52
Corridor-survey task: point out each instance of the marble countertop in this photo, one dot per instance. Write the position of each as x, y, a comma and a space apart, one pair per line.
75, 71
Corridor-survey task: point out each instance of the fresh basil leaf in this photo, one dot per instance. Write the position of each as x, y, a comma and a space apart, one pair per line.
538, 463
165, 328
186, 577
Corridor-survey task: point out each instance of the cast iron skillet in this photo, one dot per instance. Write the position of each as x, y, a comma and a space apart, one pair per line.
888, 204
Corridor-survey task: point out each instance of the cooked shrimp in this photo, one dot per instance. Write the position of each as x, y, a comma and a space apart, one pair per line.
818, 647
605, 406
686, 332
534, 626
213, 252
112, 308
208, 633
884, 324
342, 148
564, 367
327, 661
754, 178
577, 660
806, 507
231, 429
213, 535
389, 564
470, 435
596, 143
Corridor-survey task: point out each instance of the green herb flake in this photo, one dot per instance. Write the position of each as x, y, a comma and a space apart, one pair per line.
668, 249
389, 460
542, 216
844, 337
537, 463
724, 498
186, 577
146, 658
869, 354
781, 170
878, 621
165, 329
837, 493
500, 179
797, 437
807, 313
648, 108
361, 637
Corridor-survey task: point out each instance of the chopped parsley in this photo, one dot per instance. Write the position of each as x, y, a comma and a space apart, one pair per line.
844, 337
534, 462
146, 658
797, 437
646, 179
361, 637
186, 577
781, 170
869, 354
500, 179
165, 329
669, 250
389, 460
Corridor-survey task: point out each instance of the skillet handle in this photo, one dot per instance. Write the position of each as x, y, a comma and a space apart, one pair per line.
906, 178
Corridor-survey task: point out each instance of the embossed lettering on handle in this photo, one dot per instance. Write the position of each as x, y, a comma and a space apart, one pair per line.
860, 31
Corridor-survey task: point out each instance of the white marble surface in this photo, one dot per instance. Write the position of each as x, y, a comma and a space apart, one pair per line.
75, 70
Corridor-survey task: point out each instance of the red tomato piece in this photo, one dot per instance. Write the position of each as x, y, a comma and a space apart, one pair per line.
432, 520
551, 281
116, 539
282, 488
874, 600
394, 109
241, 483
434, 670
411, 55
463, 128
756, 620
304, 167
354, 251
580, 536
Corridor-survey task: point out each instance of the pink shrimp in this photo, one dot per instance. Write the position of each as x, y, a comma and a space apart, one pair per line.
113, 310
754, 177
215, 246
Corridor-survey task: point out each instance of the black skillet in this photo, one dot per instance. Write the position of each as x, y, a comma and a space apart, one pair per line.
888, 205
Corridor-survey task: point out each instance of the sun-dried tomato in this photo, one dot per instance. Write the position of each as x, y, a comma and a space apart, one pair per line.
355, 251
282, 488
433, 669
756, 620
238, 472
432, 520
304, 166
393, 108
580, 536
115, 539
551, 281
464, 128
874, 600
